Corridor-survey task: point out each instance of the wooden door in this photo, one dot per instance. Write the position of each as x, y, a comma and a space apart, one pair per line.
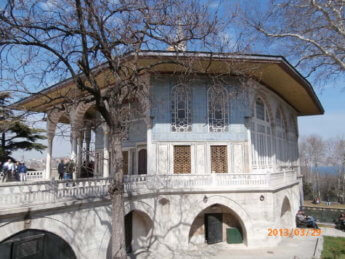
214, 228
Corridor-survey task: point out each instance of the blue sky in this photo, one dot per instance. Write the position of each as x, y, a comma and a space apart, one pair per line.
331, 95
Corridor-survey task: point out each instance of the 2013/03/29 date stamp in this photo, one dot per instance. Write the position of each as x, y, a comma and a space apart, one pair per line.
286, 232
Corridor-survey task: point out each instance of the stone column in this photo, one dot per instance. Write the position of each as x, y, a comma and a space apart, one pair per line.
74, 149
79, 154
105, 151
49, 156
87, 136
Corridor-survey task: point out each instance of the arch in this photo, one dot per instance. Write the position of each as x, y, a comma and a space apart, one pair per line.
229, 218
236, 209
138, 231
286, 217
41, 244
53, 118
218, 108
267, 104
77, 116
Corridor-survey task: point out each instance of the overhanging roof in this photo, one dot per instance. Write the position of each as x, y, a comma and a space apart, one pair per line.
275, 72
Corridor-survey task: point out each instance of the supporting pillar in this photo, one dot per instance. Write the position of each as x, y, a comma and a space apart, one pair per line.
79, 154
49, 156
87, 136
74, 150
106, 158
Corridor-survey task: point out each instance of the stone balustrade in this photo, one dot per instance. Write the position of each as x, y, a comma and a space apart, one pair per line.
35, 176
50, 192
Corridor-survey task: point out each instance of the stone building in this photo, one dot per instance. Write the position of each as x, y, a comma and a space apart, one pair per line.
205, 157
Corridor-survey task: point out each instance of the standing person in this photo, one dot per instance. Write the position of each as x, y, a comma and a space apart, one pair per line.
69, 169
15, 173
7, 168
61, 169
22, 172
1, 170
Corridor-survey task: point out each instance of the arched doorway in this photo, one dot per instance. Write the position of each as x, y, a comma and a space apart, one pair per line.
214, 224
286, 218
35, 244
138, 231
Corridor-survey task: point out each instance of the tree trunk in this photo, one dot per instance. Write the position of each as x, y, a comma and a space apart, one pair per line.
117, 192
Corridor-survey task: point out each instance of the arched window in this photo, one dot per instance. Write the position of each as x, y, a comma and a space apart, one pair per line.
218, 109
261, 136
281, 139
181, 114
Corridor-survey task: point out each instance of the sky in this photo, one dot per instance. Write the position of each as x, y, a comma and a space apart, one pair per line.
331, 95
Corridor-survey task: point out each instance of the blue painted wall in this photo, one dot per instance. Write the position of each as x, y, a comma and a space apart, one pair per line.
161, 112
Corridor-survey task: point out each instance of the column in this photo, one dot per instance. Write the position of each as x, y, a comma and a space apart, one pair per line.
105, 151
87, 136
79, 154
74, 149
49, 156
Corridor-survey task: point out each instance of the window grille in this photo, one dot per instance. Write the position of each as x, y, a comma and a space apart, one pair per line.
261, 136
181, 109
182, 160
219, 159
218, 109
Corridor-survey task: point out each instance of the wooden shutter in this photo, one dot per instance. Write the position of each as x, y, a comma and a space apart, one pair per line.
125, 162
219, 161
182, 160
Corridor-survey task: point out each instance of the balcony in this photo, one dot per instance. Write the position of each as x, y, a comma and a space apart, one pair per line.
49, 194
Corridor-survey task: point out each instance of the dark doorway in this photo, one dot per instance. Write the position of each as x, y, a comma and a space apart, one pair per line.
128, 231
35, 244
142, 161
214, 228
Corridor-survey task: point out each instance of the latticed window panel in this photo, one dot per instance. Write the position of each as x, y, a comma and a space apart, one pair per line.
181, 114
219, 159
218, 109
182, 160
125, 162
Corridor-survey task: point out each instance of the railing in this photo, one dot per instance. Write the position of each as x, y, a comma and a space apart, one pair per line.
35, 175
251, 180
49, 192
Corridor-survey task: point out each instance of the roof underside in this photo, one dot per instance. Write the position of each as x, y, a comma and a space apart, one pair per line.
274, 72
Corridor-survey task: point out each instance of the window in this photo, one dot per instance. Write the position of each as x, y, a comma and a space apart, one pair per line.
142, 161
182, 160
181, 109
261, 136
218, 109
281, 141
219, 161
125, 162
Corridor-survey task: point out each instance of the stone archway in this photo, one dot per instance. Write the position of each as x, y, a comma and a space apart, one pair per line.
200, 230
38, 244
286, 219
138, 231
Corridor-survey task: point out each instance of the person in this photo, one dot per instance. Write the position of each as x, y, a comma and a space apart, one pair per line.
302, 219
22, 170
8, 168
69, 170
15, 173
61, 169
340, 223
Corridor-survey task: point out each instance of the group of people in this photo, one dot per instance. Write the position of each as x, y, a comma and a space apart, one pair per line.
66, 169
12, 170
303, 220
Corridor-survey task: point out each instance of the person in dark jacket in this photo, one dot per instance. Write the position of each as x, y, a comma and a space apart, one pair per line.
61, 169
22, 170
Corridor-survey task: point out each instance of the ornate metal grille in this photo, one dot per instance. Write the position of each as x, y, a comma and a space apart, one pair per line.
182, 160
219, 161
181, 109
218, 109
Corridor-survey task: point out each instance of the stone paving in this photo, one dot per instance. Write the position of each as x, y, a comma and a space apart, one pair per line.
288, 248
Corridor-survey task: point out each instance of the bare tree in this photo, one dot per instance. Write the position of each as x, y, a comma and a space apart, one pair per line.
46, 41
312, 31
